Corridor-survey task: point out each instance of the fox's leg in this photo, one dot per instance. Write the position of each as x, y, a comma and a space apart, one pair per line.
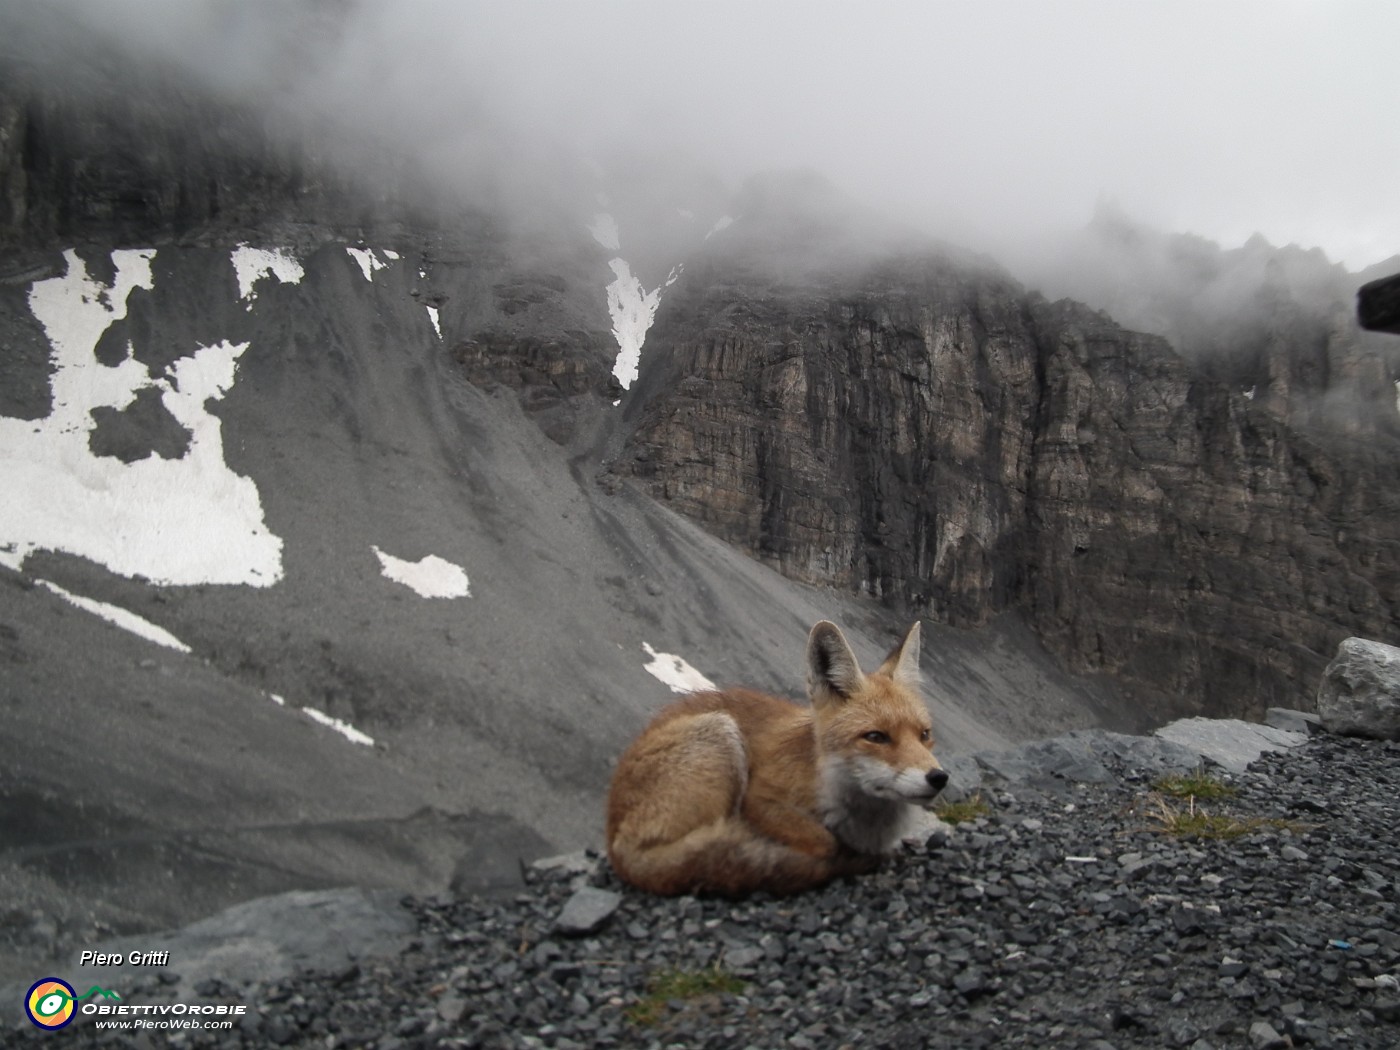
805, 836
775, 818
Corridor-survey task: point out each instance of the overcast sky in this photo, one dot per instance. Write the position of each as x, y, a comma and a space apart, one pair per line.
987, 122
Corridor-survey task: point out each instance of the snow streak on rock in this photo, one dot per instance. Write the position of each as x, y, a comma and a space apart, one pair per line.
437, 324
253, 264
127, 621
370, 263
675, 673
632, 308
431, 577
173, 521
345, 729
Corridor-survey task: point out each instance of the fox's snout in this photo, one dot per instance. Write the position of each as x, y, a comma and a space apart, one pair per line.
937, 779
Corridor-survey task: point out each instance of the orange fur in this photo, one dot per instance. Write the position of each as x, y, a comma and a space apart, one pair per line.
735, 791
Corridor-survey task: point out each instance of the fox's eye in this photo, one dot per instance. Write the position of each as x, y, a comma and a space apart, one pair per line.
877, 737
926, 736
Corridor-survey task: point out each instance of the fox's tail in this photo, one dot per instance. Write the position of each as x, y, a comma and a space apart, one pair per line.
726, 857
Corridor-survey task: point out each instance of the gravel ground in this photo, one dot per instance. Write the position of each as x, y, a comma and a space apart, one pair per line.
1065, 916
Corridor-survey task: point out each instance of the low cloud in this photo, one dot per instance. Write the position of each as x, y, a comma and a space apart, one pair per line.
988, 124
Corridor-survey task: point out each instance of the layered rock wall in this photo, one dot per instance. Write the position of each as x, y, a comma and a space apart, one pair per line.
927, 433
1278, 324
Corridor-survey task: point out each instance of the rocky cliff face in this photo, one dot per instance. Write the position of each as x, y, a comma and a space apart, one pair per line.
103, 140
922, 430
118, 149
1275, 324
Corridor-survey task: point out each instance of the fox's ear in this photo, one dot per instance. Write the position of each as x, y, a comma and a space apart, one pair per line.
832, 671
903, 662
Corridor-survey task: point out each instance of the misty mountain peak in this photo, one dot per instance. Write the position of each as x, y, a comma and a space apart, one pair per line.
790, 191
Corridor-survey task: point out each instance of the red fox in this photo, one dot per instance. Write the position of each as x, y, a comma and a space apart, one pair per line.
732, 792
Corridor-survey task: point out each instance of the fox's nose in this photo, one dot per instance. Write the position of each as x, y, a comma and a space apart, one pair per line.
937, 779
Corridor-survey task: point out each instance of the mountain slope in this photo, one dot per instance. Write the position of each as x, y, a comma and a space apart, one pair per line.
157, 773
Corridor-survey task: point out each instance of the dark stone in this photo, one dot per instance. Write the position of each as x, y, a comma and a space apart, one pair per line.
1378, 305
141, 429
971, 983
1387, 1009
1186, 921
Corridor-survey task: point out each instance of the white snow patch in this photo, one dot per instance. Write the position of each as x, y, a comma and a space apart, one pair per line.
369, 262
605, 232
675, 673
253, 264
127, 621
433, 316
279, 701
1249, 394
724, 223
431, 577
182, 521
345, 729
632, 308
393, 256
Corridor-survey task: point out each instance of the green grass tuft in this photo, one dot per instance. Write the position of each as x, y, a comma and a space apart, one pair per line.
668, 986
1194, 785
959, 812
1196, 823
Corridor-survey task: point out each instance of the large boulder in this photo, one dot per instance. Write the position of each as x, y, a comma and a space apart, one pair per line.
1360, 691
1230, 743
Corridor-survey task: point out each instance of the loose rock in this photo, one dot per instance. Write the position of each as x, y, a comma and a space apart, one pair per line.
586, 911
1360, 690
992, 939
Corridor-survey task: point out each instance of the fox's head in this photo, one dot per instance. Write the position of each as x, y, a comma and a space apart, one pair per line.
875, 726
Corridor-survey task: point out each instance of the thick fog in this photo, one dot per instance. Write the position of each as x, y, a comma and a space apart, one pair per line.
994, 124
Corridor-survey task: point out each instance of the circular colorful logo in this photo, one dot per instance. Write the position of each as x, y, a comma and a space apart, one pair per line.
49, 1003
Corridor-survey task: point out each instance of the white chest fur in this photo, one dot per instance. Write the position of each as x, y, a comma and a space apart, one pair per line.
863, 821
